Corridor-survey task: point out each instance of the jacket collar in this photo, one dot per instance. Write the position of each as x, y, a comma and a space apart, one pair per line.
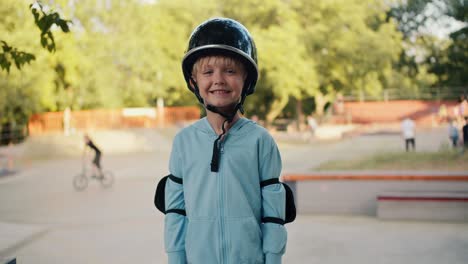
204, 126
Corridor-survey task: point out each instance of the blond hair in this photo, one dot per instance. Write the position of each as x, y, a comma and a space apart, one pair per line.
213, 59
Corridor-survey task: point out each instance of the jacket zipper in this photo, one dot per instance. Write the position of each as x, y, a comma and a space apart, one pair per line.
221, 208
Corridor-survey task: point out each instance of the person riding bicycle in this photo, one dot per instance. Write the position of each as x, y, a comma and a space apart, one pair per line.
97, 156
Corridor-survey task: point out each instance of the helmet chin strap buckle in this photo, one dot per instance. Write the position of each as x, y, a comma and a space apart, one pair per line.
229, 117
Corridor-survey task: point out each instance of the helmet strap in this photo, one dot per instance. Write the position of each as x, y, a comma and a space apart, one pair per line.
229, 116
228, 119
196, 91
216, 150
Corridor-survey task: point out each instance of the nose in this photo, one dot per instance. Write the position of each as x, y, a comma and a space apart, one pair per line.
218, 78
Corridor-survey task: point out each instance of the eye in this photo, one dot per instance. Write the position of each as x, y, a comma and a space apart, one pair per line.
231, 71
207, 72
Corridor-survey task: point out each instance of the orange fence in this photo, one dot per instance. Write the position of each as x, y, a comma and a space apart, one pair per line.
425, 112
111, 119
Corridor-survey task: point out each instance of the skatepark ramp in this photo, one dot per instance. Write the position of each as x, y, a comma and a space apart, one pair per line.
430, 195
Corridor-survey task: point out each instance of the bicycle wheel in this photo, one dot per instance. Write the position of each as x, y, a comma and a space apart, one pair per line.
107, 179
80, 182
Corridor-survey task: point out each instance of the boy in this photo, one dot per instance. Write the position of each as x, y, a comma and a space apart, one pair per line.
97, 172
223, 199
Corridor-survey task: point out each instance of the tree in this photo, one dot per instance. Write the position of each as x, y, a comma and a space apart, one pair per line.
44, 21
455, 67
445, 58
23, 92
352, 45
128, 53
284, 72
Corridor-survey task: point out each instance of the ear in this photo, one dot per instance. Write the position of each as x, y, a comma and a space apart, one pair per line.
192, 83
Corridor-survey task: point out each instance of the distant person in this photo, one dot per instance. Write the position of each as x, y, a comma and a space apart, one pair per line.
254, 118
453, 133
97, 156
465, 134
461, 109
66, 121
312, 123
463, 106
443, 113
407, 130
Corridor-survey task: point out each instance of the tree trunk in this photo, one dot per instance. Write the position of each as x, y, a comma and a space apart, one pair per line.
299, 115
320, 102
276, 108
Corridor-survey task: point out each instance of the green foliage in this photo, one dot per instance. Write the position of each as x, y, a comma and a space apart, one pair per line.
457, 53
26, 90
128, 53
409, 14
10, 54
44, 22
351, 45
447, 59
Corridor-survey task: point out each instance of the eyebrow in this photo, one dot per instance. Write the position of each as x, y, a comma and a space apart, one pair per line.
204, 63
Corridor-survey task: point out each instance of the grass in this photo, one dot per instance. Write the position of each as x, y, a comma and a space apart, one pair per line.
443, 160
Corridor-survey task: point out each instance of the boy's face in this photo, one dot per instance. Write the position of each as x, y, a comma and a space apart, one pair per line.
220, 80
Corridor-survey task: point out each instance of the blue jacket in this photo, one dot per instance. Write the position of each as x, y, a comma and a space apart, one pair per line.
224, 209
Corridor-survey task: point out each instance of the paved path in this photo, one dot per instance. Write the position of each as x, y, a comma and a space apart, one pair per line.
299, 158
43, 220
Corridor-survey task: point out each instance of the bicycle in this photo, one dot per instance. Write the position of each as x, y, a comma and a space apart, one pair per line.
80, 181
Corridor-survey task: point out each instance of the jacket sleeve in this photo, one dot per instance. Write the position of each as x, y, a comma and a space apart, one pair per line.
273, 205
175, 224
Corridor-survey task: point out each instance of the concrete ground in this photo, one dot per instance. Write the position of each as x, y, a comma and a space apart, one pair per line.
44, 220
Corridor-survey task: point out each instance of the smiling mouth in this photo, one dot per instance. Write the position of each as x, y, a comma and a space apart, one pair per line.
220, 92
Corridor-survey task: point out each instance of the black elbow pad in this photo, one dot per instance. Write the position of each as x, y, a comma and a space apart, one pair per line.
290, 205
159, 197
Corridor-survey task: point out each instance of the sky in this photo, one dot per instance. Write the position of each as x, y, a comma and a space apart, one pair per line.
443, 25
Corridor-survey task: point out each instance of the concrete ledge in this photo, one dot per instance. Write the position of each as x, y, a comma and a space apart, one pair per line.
438, 206
424, 196
378, 176
359, 192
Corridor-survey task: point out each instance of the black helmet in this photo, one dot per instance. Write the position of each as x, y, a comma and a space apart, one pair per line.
222, 36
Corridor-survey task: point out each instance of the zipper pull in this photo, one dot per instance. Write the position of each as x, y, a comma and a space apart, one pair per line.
215, 156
